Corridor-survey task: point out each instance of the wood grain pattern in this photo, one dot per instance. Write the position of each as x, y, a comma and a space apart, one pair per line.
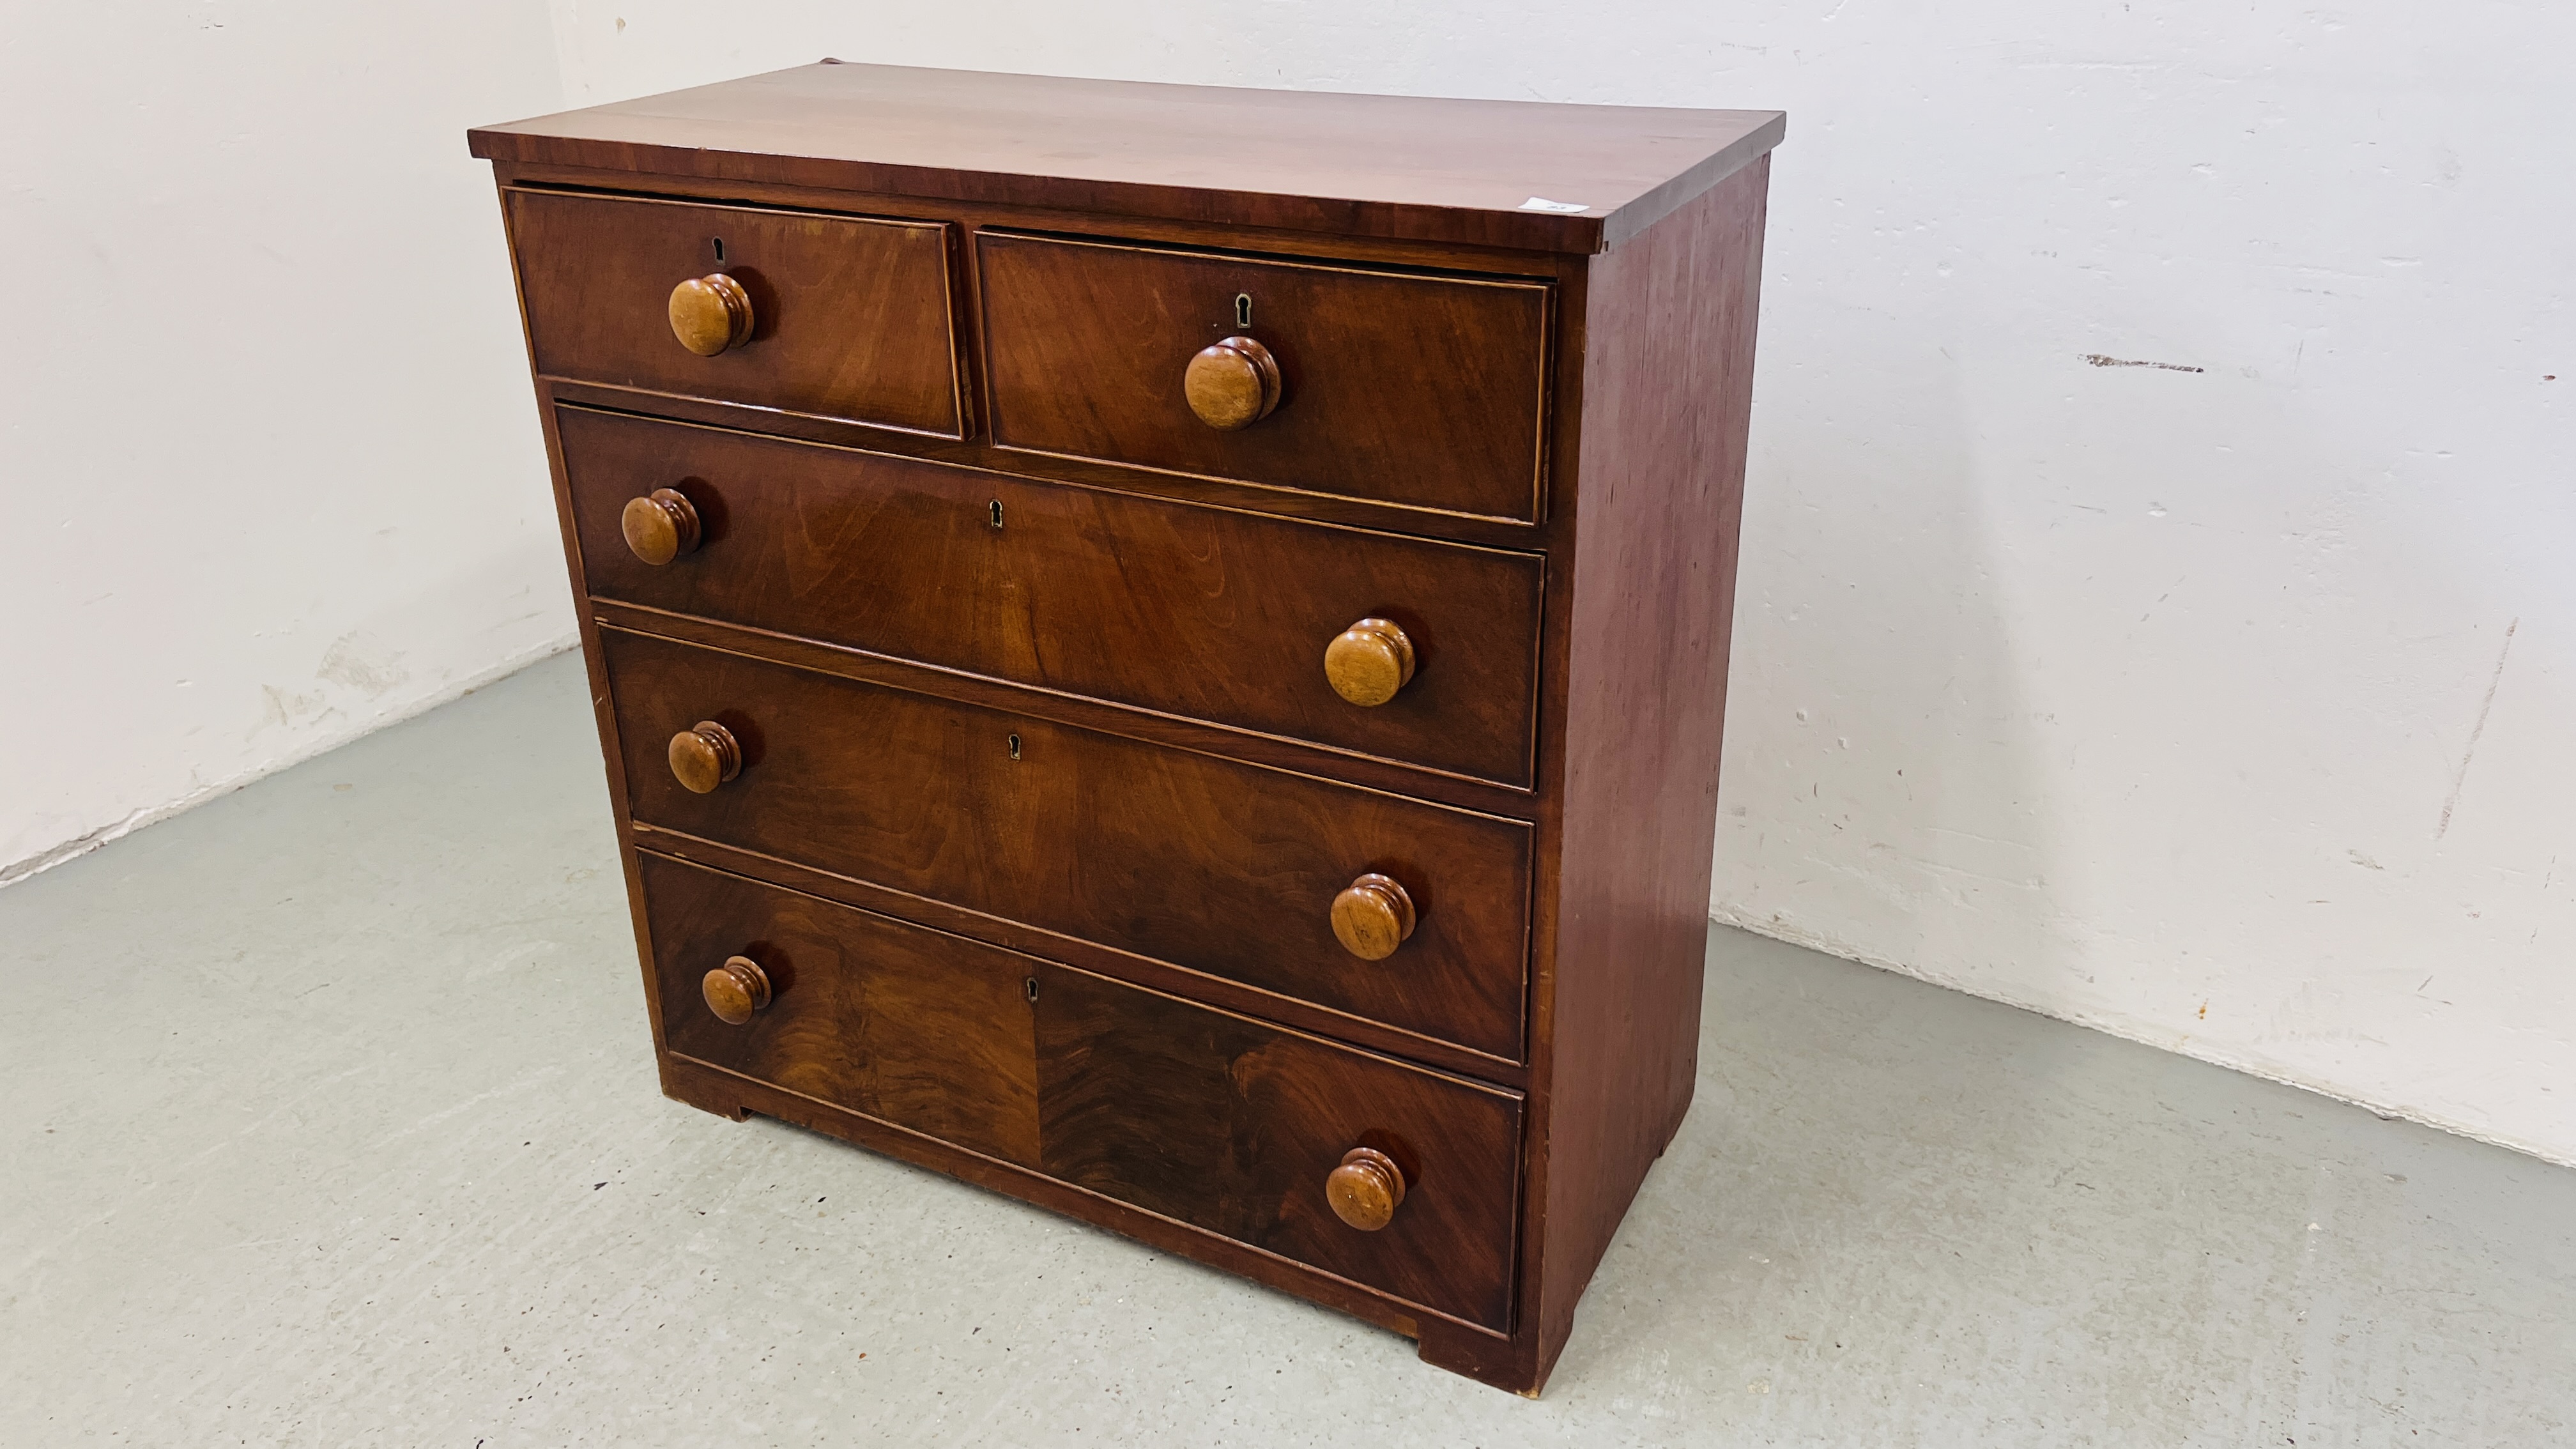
1233, 1126
975, 451
1370, 166
730, 1094
1220, 867
1208, 1119
1667, 393
1216, 492
1421, 391
922, 1030
1200, 612
1163, 976
851, 318
1275, 751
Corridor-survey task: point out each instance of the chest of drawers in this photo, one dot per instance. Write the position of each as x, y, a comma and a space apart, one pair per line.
1162, 650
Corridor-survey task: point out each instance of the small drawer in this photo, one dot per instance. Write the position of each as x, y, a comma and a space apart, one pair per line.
1255, 875
1425, 391
1185, 609
1204, 1117
836, 317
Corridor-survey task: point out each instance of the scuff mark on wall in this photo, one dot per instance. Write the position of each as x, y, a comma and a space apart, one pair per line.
350, 660
2098, 360
2485, 706
305, 748
286, 710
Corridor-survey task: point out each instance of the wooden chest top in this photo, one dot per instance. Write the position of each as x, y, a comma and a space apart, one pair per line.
1404, 167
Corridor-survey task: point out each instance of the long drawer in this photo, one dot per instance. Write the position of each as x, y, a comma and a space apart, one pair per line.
848, 318
1203, 1117
1220, 867
1189, 610
1410, 388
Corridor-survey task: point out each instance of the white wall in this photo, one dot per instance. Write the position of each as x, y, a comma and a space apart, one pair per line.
2228, 710
2178, 703
270, 464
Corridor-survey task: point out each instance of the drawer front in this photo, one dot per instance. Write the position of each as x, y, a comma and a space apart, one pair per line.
905, 1025
850, 317
1203, 1117
1416, 390
1189, 610
1233, 1126
1208, 864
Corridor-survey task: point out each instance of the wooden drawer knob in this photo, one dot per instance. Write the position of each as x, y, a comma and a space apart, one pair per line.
704, 756
1369, 661
710, 314
736, 989
660, 526
1232, 384
1366, 1189
1372, 916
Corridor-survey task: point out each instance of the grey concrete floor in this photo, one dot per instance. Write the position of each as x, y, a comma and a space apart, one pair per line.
332, 1121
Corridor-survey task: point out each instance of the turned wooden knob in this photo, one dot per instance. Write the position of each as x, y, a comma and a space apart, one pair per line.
710, 314
738, 988
704, 756
1366, 1189
1369, 661
1232, 384
1372, 916
660, 526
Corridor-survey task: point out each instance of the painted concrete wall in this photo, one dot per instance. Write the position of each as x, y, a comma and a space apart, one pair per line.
2222, 703
2227, 708
269, 461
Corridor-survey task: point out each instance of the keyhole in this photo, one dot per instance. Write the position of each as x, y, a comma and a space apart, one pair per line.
1015, 747
719, 244
1243, 309
1033, 988
995, 513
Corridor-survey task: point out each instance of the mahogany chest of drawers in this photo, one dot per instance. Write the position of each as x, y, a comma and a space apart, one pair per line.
1161, 650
